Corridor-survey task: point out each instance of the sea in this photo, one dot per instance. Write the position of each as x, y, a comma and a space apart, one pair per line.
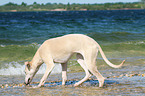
120, 33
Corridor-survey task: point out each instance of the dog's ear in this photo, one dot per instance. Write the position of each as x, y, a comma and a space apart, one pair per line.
28, 65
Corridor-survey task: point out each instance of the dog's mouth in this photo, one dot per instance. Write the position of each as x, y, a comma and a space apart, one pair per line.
27, 82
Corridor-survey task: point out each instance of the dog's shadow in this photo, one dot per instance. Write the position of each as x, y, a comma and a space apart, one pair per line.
86, 83
93, 82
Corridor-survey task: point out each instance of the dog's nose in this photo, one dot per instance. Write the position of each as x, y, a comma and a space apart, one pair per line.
25, 83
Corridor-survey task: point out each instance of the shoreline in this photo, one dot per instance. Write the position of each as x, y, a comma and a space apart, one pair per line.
60, 10
118, 81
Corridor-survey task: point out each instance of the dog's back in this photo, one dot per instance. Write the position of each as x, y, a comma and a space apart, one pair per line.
71, 41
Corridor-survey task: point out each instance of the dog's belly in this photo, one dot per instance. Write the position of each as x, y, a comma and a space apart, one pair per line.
62, 59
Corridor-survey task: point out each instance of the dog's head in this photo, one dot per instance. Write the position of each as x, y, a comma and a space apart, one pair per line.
29, 72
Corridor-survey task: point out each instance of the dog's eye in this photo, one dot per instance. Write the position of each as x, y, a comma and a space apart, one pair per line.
24, 72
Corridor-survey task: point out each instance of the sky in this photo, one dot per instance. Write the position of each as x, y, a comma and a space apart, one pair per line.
2, 2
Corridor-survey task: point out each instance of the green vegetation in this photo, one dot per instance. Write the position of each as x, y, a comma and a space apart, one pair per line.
69, 7
143, 4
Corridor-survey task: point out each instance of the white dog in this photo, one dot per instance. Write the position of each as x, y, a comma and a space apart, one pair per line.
59, 50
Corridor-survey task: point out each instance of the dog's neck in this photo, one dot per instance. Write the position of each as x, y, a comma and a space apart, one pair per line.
36, 61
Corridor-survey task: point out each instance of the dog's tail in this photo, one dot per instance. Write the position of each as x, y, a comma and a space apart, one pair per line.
107, 61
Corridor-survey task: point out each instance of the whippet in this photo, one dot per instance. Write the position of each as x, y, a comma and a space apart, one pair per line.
59, 50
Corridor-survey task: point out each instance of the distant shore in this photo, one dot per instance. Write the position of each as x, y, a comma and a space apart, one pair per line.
76, 10
12, 7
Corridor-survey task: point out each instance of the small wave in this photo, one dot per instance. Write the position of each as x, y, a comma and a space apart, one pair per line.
14, 68
116, 36
10, 41
135, 42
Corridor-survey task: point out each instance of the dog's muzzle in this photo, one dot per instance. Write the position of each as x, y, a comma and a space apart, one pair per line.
28, 82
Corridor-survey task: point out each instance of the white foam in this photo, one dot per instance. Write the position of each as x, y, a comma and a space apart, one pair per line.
2, 45
14, 68
136, 42
57, 69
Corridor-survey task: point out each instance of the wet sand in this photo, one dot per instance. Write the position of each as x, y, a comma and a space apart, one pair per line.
128, 80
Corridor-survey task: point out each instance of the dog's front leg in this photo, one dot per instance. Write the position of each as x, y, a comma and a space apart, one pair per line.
64, 73
50, 66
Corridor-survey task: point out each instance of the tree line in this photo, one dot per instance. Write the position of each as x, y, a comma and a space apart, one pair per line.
68, 7
143, 4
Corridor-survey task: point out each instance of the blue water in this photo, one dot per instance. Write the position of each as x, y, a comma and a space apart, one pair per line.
119, 32
103, 26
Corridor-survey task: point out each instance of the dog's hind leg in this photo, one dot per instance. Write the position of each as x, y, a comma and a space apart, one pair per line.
90, 61
81, 62
100, 78
93, 69
64, 73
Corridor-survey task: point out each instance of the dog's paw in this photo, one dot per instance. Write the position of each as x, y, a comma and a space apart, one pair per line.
76, 84
34, 87
101, 82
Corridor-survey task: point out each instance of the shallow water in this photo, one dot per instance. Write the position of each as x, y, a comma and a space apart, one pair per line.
128, 80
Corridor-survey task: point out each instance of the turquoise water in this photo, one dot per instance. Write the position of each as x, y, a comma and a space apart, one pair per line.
22, 28
121, 33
